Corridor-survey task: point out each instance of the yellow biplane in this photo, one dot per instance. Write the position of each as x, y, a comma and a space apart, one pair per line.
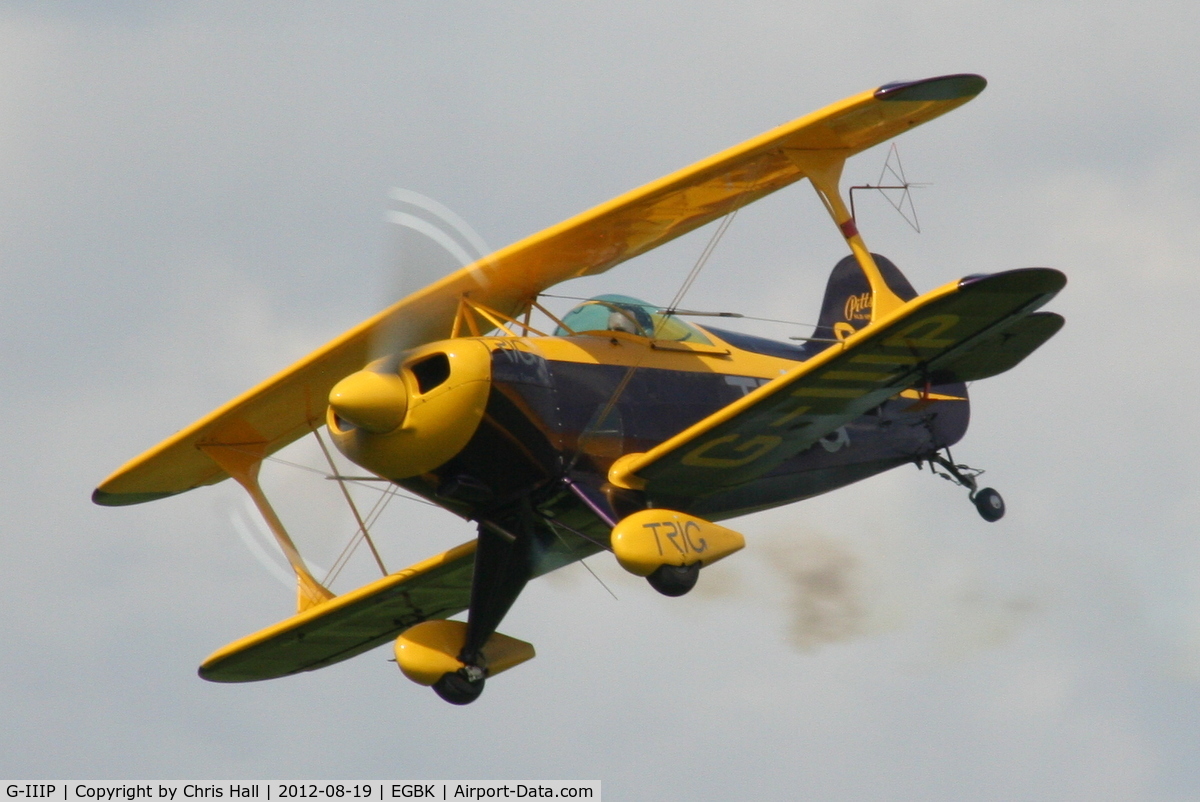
628, 428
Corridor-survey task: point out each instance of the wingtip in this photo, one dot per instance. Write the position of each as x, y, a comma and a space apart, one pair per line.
960, 86
1032, 279
107, 499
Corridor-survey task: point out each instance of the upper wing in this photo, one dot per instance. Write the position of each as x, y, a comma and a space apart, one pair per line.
350, 624
938, 331
292, 403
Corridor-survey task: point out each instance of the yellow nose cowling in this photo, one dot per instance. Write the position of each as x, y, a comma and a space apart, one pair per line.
376, 402
445, 388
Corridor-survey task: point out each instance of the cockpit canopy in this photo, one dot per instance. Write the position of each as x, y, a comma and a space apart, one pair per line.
621, 313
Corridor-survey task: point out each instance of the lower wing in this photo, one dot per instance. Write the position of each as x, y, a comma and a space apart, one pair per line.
351, 624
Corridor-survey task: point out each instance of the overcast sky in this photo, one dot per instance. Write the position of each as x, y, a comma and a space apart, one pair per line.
192, 195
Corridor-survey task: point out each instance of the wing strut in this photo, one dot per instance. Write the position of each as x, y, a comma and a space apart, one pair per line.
242, 461
824, 169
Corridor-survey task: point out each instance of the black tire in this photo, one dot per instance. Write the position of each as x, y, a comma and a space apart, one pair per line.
457, 689
674, 580
990, 504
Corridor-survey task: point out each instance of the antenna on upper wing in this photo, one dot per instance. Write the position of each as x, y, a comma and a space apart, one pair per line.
897, 185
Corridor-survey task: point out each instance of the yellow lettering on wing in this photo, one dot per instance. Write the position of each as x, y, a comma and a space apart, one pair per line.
924, 333
886, 359
830, 392
751, 450
854, 376
788, 416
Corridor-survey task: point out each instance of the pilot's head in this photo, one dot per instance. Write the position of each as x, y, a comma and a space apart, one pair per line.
630, 318
619, 320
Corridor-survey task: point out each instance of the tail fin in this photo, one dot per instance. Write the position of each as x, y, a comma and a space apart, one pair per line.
847, 305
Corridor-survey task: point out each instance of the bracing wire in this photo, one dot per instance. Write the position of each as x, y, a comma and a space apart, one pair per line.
362, 525
739, 202
554, 528
356, 482
344, 558
726, 221
386, 494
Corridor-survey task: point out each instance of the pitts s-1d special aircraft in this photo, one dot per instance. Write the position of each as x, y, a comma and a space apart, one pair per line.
629, 429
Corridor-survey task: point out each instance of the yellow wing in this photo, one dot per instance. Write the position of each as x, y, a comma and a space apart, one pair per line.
292, 403
350, 624
951, 330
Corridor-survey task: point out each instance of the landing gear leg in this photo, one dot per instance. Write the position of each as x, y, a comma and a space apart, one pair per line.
503, 564
986, 500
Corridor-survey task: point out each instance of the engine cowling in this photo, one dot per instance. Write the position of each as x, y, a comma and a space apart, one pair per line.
403, 417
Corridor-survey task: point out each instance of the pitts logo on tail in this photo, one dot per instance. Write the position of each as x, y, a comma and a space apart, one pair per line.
858, 307
849, 302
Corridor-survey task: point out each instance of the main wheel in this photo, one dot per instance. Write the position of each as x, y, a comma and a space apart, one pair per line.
457, 689
674, 580
989, 504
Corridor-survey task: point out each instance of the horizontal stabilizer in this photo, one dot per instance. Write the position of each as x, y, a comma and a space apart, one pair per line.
1002, 351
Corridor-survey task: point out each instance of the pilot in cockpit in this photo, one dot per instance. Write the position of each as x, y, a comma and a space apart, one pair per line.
629, 318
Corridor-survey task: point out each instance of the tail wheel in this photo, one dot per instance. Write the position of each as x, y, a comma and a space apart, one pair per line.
457, 689
674, 580
989, 503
